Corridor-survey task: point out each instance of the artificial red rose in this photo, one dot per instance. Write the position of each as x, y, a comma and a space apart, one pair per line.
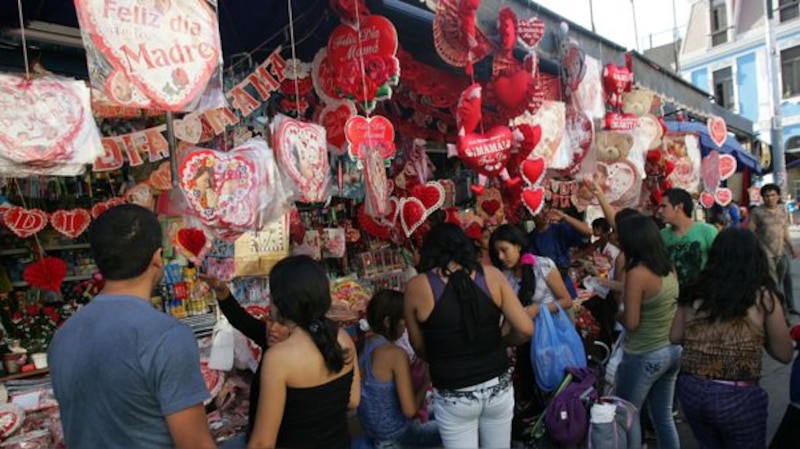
48, 310
376, 69
347, 78
31, 310
347, 9
17, 317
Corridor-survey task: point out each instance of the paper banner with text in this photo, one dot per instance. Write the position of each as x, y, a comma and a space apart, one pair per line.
152, 144
156, 55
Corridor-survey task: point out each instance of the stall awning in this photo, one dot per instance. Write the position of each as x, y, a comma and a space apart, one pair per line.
731, 145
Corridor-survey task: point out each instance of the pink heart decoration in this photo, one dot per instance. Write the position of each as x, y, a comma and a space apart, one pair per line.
99, 208
333, 118
218, 186
530, 31
707, 200
533, 199
412, 215
533, 171
24, 222
727, 166
71, 223
169, 52
301, 150
377, 132
723, 196
487, 154
718, 130
620, 178
39, 119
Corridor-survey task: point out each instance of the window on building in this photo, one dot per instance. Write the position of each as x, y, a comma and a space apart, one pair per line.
792, 145
790, 71
719, 22
789, 9
723, 87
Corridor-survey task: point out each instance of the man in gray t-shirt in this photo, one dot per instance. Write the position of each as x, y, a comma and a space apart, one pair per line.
125, 375
771, 225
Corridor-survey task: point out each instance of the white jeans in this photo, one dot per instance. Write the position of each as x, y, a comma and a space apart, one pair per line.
480, 413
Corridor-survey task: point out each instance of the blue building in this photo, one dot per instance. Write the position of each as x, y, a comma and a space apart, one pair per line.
725, 53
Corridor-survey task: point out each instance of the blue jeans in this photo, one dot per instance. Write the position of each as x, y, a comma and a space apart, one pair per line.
416, 435
476, 416
651, 377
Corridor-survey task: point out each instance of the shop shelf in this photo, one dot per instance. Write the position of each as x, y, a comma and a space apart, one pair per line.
66, 279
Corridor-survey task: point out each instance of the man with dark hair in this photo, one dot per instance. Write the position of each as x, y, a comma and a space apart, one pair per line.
770, 222
688, 241
124, 374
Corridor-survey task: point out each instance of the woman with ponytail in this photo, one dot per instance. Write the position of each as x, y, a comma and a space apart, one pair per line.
309, 381
453, 313
537, 283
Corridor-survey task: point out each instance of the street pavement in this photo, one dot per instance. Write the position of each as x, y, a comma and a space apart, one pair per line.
775, 379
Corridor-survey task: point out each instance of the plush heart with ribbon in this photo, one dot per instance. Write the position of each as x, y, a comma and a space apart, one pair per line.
533, 199
723, 196
40, 120
333, 118
99, 208
707, 200
24, 222
193, 243
46, 273
431, 194
718, 130
219, 186
530, 31
491, 207
490, 204
727, 166
616, 80
169, 51
161, 178
142, 195
487, 153
515, 91
412, 214
533, 171
302, 151
71, 223
376, 131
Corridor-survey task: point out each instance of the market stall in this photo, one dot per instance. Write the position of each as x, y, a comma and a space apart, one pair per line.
348, 156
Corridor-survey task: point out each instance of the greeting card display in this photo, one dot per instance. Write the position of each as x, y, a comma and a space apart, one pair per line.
255, 253
156, 54
302, 152
45, 124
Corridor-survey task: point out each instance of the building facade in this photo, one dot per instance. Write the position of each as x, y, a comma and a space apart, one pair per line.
725, 53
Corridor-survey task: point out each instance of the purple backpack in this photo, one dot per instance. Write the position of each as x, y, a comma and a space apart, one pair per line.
567, 415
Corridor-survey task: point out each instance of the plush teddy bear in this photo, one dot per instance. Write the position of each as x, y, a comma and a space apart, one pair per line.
612, 146
638, 102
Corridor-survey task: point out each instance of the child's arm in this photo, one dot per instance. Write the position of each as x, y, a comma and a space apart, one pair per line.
410, 401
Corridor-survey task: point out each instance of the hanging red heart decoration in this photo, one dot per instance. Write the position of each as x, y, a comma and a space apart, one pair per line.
377, 132
24, 222
533, 199
533, 170
412, 215
99, 208
527, 136
333, 118
431, 195
723, 196
718, 130
531, 31
727, 166
72, 222
193, 243
468, 111
487, 153
707, 200
491, 207
46, 273
616, 80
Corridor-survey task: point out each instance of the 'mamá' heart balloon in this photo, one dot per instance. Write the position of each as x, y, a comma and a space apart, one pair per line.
487, 153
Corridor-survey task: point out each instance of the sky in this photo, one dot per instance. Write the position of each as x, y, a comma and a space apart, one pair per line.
613, 19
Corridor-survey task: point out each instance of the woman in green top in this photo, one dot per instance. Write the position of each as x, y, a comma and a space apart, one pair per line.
649, 366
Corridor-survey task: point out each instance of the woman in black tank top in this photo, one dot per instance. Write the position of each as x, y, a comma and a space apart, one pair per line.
453, 313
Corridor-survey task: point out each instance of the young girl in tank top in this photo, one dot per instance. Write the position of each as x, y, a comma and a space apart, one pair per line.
388, 400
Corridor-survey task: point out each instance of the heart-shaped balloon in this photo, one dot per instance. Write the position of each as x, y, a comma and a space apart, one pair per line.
219, 187
723, 196
376, 131
71, 223
168, 51
533, 171
24, 222
487, 153
718, 130
412, 215
533, 199
302, 151
707, 200
727, 166
616, 80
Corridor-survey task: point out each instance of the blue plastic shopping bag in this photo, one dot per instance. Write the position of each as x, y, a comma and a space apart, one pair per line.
555, 347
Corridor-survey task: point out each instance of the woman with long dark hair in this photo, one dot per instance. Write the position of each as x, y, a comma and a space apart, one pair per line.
453, 312
726, 316
649, 363
310, 380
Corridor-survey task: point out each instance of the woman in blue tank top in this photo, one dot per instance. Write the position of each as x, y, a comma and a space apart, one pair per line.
388, 400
